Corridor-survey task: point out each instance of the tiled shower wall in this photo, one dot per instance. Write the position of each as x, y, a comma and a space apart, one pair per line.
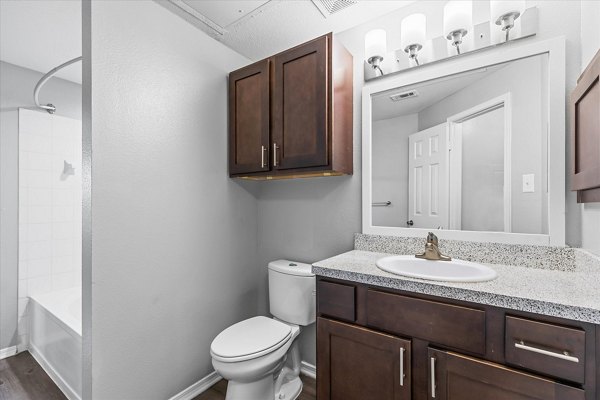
49, 208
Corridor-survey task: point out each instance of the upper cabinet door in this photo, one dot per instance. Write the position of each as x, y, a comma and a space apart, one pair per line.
585, 134
300, 109
249, 119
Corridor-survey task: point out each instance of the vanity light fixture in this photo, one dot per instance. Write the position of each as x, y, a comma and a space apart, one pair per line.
458, 18
412, 34
375, 48
505, 12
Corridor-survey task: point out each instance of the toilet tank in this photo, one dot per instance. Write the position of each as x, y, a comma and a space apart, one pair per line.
292, 292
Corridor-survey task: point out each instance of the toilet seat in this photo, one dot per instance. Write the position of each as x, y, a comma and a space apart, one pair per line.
249, 339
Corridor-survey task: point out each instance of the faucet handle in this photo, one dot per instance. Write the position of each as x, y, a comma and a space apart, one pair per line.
431, 238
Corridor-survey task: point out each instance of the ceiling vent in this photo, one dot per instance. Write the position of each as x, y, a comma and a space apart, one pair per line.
404, 95
330, 7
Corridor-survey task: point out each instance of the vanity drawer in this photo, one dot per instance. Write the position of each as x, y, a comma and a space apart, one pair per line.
547, 348
336, 300
445, 324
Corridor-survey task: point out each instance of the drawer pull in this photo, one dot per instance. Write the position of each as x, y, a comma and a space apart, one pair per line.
401, 366
262, 156
565, 356
433, 377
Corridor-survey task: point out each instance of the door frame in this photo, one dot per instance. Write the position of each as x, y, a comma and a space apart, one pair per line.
454, 139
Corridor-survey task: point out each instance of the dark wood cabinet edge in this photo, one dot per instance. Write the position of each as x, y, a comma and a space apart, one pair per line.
594, 60
588, 196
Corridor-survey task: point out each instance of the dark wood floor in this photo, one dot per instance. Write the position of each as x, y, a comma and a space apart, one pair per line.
217, 391
22, 378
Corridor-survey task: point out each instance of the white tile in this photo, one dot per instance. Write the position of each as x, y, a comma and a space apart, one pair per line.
63, 264
40, 250
39, 215
64, 281
62, 230
39, 179
22, 307
23, 214
23, 160
37, 144
34, 122
23, 232
23, 195
62, 248
39, 232
40, 196
23, 251
63, 197
23, 288
39, 267
23, 269
23, 179
62, 214
39, 161
39, 285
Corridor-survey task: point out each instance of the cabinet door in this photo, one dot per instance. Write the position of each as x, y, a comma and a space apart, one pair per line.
249, 119
453, 376
357, 364
300, 109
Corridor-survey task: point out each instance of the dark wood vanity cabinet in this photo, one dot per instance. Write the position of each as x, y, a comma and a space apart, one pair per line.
447, 349
291, 114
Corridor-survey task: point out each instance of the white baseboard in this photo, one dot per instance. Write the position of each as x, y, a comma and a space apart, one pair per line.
7, 352
308, 370
199, 387
60, 382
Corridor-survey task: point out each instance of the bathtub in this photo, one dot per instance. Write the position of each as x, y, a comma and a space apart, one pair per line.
55, 337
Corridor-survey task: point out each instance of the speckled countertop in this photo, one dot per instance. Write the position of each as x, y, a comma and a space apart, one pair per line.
571, 293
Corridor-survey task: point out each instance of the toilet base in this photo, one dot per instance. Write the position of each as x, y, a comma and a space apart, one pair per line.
290, 390
262, 389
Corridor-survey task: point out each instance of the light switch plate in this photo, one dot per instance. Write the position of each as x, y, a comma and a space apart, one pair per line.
528, 183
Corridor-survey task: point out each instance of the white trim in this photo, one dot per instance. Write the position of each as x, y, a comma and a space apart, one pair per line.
8, 352
455, 134
199, 387
53, 374
308, 370
555, 49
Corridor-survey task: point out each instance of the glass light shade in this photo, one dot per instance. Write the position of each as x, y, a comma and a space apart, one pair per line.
412, 30
375, 44
458, 14
501, 7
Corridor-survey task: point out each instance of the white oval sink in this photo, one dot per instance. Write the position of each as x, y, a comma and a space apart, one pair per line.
448, 271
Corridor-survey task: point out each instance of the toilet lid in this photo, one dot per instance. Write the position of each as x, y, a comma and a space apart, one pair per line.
249, 337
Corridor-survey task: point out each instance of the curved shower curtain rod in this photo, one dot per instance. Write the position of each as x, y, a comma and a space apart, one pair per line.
50, 107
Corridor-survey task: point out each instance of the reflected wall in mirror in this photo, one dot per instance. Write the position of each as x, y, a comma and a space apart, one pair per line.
464, 152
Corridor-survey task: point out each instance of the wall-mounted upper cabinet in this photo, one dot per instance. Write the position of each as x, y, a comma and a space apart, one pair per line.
585, 134
291, 115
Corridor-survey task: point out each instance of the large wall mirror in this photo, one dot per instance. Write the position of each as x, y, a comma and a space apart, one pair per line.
471, 148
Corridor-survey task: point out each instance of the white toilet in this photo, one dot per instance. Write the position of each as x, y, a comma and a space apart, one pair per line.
252, 354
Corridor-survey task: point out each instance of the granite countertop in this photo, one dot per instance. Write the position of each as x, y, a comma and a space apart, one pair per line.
572, 294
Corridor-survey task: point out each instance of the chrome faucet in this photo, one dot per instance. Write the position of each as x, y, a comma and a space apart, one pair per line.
432, 251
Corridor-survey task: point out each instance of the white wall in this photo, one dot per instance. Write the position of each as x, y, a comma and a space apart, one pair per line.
390, 168
16, 90
174, 239
49, 208
590, 44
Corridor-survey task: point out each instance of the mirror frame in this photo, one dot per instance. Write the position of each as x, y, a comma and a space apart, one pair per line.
555, 49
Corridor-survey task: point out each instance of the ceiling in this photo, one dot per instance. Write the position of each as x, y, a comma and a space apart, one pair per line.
258, 29
41, 35
430, 93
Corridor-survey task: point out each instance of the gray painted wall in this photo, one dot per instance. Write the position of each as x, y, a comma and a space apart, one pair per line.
174, 244
17, 85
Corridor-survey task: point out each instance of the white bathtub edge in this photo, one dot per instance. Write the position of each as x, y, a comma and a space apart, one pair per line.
199, 387
55, 376
8, 352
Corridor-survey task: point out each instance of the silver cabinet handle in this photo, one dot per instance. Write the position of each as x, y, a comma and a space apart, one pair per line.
262, 156
401, 366
563, 356
275, 147
433, 377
